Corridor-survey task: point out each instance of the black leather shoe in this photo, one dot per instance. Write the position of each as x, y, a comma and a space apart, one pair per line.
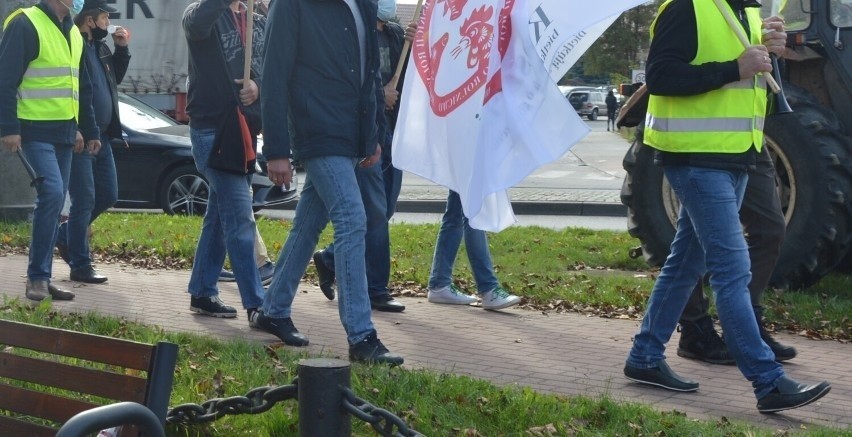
790, 394
325, 275
371, 350
87, 275
282, 328
660, 376
387, 304
782, 352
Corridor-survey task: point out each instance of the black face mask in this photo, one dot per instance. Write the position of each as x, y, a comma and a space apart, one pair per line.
98, 33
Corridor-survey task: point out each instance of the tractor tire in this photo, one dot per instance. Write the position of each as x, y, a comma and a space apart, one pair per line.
815, 184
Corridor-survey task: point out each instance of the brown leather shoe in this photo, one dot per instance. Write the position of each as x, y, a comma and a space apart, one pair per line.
37, 289
59, 294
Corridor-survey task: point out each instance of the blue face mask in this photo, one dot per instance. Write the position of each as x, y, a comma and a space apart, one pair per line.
76, 6
387, 10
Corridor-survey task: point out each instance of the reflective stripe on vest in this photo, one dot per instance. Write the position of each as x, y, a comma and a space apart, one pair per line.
51, 86
726, 120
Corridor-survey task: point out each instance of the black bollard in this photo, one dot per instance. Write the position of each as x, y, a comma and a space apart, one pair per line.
320, 397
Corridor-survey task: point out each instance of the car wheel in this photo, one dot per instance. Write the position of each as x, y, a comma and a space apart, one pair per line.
184, 191
594, 115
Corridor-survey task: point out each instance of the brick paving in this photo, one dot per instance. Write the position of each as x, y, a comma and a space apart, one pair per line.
569, 354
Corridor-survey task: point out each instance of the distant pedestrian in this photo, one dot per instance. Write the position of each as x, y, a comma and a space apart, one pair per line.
611, 109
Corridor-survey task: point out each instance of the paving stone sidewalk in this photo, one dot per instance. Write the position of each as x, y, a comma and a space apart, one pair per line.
568, 354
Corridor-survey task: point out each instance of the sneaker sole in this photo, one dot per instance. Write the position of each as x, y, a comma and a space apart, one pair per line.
686, 354
227, 280
450, 302
500, 307
811, 400
217, 315
266, 281
656, 384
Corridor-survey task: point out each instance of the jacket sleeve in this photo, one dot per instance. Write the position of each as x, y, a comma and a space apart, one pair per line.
674, 46
199, 18
18, 47
120, 61
281, 43
86, 122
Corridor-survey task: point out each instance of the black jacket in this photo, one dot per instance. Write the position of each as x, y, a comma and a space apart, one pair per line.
211, 89
395, 35
115, 67
314, 57
19, 47
669, 73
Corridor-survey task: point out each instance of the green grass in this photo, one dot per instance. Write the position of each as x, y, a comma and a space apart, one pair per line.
435, 404
566, 270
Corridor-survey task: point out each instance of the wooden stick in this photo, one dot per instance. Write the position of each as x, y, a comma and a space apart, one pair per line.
737, 28
406, 46
249, 41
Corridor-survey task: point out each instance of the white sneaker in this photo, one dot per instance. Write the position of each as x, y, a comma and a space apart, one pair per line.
449, 295
499, 298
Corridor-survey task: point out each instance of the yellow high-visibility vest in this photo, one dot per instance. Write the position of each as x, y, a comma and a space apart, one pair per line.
51, 85
726, 120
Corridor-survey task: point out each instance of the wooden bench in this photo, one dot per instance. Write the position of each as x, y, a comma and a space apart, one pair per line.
78, 366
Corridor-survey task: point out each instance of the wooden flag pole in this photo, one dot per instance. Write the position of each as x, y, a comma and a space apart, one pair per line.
406, 46
248, 47
737, 28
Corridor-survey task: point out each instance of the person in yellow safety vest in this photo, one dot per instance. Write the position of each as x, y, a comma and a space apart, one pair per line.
705, 118
45, 112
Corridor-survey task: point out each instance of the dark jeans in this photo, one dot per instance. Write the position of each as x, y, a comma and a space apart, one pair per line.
763, 224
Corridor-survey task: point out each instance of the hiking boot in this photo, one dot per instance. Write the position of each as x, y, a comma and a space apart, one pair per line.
371, 350
227, 276
498, 299
325, 274
211, 306
450, 295
282, 328
266, 271
700, 341
782, 352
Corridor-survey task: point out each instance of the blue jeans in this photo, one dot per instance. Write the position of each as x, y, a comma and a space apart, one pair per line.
228, 226
454, 226
94, 189
372, 185
709, 238
330, 192
53, 162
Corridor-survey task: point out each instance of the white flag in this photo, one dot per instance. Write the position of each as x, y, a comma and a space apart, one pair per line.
481, 110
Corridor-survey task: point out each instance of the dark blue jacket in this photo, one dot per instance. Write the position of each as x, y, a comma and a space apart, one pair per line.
18, 48
314, 101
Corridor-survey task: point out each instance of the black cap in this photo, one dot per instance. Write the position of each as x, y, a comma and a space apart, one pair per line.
98, 4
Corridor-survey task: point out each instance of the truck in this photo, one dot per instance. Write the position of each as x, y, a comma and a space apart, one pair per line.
811, 148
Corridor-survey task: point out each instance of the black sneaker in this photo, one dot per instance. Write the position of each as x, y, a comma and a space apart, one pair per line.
212, 306
371, 350
700, 341
282, 328
325, 275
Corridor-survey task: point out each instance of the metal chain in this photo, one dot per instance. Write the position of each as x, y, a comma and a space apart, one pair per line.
373, 415
256, 401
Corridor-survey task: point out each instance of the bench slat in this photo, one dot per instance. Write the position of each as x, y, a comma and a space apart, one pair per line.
102, 383
11, 426
118, 352
46, 406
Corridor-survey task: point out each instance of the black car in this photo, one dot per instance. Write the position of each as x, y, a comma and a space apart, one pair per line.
156, 170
